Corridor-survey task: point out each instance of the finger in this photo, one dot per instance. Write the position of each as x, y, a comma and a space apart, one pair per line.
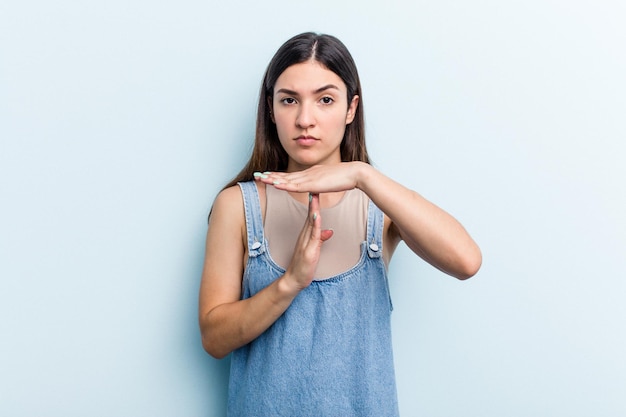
314, 216
261, 176
286, 184
270, 177
288, 181
314, 207
307, 227
279, 182
326, 234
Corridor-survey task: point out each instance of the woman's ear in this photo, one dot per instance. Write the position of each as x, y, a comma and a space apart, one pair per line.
354, 104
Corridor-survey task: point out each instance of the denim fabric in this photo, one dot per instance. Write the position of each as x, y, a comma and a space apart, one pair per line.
329, 354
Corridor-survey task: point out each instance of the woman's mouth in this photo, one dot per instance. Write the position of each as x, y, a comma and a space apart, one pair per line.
306, 140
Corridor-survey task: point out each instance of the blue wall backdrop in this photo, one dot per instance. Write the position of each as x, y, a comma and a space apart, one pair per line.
121, 120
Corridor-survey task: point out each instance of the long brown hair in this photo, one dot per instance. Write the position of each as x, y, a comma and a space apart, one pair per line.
268, 154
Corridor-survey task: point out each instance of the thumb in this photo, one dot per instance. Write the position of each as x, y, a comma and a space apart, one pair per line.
326, 234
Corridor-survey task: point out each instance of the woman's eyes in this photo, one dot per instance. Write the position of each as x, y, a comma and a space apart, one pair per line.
323, 100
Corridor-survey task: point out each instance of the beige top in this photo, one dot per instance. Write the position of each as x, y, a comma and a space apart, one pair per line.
284, 219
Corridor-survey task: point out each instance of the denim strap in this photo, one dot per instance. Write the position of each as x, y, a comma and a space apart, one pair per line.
254, 221
375, 224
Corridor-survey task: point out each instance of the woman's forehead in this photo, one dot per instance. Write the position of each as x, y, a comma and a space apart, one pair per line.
308, 77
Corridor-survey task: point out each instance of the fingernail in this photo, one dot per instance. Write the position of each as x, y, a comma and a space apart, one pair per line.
276, 182
310, 197
314, 216
257, 174
267, 172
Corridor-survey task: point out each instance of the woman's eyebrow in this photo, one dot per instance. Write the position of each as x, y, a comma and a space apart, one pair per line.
326, 87
319, 90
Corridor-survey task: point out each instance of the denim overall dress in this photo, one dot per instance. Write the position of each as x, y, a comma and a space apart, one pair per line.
329, 354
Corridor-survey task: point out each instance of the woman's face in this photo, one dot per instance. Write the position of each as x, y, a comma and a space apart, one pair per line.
310, 110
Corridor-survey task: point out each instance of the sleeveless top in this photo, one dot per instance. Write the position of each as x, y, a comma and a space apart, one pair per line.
329, 354
285, 216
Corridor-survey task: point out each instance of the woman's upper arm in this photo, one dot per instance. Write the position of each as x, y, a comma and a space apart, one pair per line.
225, 248
391, 239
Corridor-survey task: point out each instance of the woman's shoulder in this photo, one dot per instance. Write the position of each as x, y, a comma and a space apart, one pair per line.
229, 196
228, 206
230, 200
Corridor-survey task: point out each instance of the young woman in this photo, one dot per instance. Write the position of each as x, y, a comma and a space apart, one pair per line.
294, 281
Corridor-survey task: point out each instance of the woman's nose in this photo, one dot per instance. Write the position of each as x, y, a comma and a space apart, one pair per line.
306, 117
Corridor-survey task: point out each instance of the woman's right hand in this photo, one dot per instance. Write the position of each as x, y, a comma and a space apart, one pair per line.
228, 322
301, 269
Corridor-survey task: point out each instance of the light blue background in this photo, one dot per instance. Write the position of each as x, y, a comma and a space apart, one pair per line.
121, 120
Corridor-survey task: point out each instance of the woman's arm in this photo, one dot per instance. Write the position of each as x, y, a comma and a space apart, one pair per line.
226, 321
429, 231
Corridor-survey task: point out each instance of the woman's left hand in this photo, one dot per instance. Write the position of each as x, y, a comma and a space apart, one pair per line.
316, 179
429, 231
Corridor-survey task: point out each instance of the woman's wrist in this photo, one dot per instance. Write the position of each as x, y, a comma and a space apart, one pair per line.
287, 289
364, 172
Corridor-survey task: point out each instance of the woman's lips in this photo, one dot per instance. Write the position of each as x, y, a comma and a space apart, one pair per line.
306, 140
